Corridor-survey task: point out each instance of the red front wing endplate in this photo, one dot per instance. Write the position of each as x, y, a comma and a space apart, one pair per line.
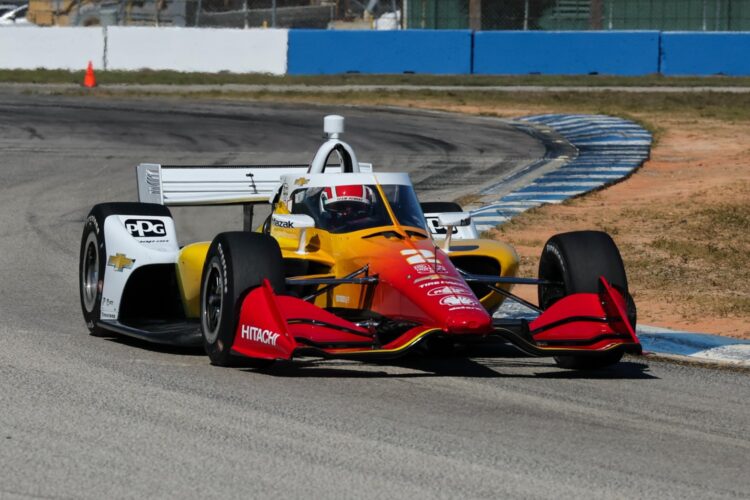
582, 323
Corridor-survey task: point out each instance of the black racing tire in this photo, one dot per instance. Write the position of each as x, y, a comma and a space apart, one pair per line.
93, 255
435, 207
236, 263
577, 260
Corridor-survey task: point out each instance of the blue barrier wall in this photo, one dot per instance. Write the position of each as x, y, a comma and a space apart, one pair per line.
317, 52
566, 52
690, 53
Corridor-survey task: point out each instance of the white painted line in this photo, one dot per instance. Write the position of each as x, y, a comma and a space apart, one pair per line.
596, 169
527, 194
564, 184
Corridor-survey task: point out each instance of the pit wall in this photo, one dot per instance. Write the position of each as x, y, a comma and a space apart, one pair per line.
316, 52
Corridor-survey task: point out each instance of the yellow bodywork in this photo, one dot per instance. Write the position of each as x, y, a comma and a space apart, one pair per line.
189, 271
340, 254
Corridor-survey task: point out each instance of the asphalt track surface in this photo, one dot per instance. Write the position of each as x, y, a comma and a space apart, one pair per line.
85, 417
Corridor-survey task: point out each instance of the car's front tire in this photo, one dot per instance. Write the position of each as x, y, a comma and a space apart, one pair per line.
577, 260
236, 263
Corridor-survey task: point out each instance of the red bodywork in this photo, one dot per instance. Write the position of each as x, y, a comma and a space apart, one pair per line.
421, 286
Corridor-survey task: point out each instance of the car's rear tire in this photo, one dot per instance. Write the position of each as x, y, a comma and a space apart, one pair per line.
577, 260
93, 255
236, 263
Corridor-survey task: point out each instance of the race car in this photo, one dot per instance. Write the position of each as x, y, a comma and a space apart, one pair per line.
347, 265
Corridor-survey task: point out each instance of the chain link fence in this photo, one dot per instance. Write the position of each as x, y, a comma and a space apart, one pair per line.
694, 15
322, 14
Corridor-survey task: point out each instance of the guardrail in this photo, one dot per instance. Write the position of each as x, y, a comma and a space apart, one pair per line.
311, 52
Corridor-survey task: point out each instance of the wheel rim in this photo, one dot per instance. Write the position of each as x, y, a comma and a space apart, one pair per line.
213, 301
90, 273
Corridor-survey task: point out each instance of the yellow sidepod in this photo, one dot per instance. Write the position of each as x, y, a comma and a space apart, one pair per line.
189, 271
504, 254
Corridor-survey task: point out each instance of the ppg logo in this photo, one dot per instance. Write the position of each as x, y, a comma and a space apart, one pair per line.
145, 228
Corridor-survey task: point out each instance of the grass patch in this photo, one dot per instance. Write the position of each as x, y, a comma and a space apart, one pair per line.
180, 78
699, 256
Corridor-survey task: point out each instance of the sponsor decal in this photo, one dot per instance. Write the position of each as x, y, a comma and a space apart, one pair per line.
256, 334
344, 299
448, 290
457, 300
108, 316
107, 301
423, 261
434, 280
283, 224
423, 268
465, 308
301, 181
120, 261
223, 268
94, 222
417, 256
146, 228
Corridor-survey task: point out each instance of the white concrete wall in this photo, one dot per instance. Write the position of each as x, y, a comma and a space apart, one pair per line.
197, 49
51, 48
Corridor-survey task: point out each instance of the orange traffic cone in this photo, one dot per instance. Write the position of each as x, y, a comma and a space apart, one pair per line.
89, 80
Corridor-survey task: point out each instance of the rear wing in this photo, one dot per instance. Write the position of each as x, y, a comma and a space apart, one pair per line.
216, 185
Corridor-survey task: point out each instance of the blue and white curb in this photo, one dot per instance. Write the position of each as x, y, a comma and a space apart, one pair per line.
696, 346
609, 149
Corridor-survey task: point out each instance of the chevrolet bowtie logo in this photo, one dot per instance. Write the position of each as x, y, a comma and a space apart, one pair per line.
301, 181
120, 262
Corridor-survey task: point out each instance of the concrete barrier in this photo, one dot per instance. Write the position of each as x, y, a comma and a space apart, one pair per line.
313, 52
50, 48
317, 52
689, 53
197, 49
566, 52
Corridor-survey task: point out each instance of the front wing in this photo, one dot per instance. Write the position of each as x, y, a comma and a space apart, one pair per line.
275, 326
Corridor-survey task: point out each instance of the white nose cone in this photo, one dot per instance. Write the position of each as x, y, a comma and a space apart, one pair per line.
333, 125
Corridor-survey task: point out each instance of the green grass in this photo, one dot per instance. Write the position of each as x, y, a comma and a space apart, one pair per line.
179, 78
702, 105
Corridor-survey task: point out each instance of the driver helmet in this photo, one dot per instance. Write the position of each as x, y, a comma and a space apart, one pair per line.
347, 201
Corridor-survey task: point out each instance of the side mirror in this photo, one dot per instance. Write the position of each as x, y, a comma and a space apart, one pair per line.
292, 221
454, 219
449, 220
